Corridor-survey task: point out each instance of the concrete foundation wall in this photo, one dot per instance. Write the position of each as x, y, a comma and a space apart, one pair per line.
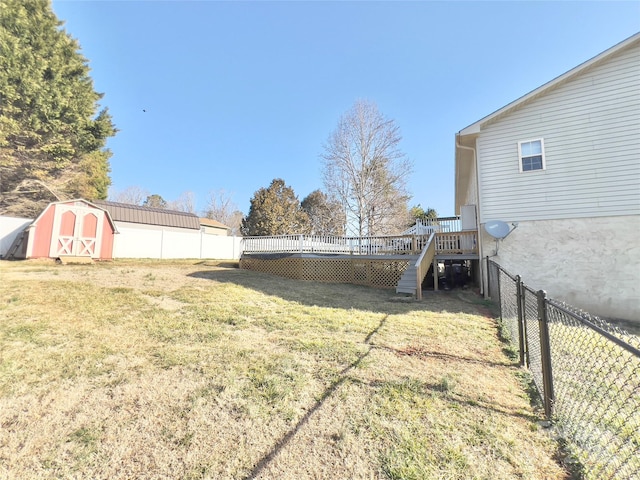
590, 263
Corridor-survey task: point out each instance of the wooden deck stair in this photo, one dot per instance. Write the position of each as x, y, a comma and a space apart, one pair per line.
407, 283
411, 280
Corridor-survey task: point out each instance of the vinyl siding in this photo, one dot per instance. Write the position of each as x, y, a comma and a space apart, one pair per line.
591, 131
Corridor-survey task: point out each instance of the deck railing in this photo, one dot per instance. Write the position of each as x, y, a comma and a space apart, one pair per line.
379, 245
445, 243
440, 225
457, 242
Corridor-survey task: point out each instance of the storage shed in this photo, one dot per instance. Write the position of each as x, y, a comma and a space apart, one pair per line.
68, 229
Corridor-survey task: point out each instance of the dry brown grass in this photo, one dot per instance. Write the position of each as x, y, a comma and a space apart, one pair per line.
185, 370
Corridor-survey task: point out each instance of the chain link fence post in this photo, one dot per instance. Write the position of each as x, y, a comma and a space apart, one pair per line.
488, 292
521, 326
545, 354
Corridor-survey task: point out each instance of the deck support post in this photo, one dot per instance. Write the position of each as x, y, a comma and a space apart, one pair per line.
435, 274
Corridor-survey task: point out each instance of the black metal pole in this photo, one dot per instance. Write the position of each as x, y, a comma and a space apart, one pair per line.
525, 322
521, 331
545, 354
488, 279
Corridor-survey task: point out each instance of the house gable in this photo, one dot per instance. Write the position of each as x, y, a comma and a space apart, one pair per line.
589, 123
476, 127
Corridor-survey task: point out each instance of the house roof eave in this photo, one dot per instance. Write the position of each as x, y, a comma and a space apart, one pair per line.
476, 127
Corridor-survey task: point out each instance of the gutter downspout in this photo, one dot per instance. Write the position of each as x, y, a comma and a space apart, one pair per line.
483, 273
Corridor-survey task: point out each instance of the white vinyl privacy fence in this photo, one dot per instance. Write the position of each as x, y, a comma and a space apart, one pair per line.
147, 241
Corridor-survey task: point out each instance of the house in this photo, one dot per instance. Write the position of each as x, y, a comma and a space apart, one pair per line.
213, 227
563, 164
67, 229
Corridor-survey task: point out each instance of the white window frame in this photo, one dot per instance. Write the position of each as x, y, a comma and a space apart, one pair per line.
520, 157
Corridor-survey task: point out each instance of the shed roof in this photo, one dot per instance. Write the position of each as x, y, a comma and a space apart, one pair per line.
123, 212
75, 202
212, 223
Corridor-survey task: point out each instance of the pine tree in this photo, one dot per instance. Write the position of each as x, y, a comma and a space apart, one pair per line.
274, 211
155, 201
326, 217
418, 213
52, 137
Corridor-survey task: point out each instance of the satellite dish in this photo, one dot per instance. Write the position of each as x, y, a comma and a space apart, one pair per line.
497, 229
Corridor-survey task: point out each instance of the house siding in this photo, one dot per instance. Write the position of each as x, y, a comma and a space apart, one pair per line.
591, 131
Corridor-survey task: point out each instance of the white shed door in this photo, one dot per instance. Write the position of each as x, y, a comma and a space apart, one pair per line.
77, 231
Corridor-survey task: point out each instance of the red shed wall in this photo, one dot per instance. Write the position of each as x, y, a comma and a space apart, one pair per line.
42, 234
106, 250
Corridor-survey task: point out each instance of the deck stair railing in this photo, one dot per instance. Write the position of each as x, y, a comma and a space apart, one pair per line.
423, 263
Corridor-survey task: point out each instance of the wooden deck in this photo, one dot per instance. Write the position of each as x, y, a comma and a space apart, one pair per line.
399, 262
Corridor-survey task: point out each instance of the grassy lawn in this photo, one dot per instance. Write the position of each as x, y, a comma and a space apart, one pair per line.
199, 370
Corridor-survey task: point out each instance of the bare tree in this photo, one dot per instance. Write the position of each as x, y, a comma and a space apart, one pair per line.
186, 202
220, 207
133, 195
365, 170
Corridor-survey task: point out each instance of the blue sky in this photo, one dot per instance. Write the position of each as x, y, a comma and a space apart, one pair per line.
239, 93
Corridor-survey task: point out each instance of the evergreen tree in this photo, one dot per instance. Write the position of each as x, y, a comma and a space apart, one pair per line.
274, 211
326, 217
155, 201
52, 137
418, 213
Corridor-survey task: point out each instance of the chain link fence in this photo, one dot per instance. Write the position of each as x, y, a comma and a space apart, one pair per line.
586, 371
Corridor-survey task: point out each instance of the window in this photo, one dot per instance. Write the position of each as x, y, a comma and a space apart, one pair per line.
531, 155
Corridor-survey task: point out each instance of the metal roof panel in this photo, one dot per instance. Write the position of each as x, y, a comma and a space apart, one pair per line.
122, 212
